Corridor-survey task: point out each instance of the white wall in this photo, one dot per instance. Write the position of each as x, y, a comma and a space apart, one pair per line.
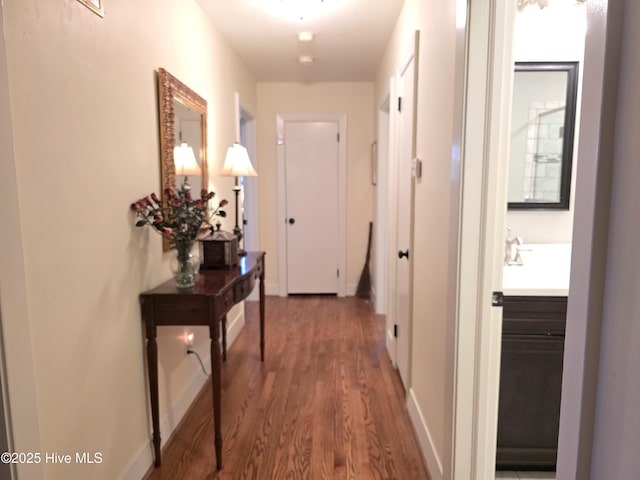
550, 36
617, 424
354, 99
430, 396
16, 325
84, 121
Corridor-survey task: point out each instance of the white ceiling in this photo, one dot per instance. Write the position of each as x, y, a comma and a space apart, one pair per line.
350, 38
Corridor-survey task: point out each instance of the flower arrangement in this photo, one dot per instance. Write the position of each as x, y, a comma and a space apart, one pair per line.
183, 216
180, 221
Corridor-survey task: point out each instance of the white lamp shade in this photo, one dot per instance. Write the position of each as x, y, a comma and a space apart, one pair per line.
185, 161
237, 163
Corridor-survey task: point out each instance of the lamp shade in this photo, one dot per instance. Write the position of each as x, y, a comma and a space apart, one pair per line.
185, 161
237, 163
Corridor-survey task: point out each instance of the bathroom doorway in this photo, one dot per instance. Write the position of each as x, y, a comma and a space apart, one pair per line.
548, 52
483, 227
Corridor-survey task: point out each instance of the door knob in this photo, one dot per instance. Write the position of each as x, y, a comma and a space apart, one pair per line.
403, 254
292, 221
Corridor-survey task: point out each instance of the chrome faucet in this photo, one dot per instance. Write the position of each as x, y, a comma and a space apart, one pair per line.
511, 249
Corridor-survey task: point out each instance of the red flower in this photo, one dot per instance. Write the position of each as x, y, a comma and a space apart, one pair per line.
177, 216
223, 202
204, 193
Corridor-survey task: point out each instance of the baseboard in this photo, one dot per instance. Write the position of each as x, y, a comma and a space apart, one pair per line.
271, 289
373, 298
142, 461
234, 327
140, 464
391, 347
424, 438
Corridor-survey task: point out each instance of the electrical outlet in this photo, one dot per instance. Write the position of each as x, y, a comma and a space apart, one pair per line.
189, 339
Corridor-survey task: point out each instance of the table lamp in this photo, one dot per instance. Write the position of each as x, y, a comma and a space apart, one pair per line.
185, 162
237, 164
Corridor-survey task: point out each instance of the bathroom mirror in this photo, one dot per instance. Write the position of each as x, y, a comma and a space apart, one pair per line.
542, 131
183, 119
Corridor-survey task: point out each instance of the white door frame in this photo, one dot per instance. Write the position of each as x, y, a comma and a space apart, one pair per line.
590, 235
391, 255
489, 72
248, 136
381, 224
341, 120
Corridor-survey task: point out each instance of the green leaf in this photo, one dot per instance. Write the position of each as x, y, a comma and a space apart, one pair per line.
140, 223
222, 213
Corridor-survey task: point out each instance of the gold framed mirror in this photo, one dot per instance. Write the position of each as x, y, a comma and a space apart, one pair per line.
183, 119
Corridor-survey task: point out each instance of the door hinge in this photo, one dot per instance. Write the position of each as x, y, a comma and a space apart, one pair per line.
338, 273
400, 104
497, 299
395, 330
338, 136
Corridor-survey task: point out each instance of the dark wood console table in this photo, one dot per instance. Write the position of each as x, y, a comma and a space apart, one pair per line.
206, 303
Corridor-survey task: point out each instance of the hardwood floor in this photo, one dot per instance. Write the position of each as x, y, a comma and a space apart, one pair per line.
325, 404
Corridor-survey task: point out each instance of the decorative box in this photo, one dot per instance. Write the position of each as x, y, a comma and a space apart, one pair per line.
219, 250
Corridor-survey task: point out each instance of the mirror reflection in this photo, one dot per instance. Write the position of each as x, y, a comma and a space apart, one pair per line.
188, 134
542, 131
183, 124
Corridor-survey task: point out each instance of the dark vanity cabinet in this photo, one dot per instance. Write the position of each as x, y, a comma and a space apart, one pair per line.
530, 382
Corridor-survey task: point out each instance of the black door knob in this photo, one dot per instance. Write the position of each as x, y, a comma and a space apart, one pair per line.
403, 254
292, 221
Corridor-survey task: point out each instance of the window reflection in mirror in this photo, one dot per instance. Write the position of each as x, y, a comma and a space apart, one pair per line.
542, 134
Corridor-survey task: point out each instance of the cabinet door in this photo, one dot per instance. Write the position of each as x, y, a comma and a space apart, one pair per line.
529, 408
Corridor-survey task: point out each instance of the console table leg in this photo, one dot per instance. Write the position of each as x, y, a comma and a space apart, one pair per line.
224, 338
262, 314
152, 357
216, 385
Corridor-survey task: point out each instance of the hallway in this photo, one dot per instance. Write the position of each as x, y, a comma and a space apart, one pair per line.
326, 404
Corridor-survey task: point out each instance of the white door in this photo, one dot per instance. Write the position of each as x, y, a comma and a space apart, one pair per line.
311, 165
406, 93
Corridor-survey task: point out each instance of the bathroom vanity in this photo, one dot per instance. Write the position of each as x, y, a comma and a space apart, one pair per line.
534, 317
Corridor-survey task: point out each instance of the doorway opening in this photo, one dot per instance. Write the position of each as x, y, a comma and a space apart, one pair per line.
544, 116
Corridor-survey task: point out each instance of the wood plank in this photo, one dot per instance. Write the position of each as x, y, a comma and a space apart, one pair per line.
325, 404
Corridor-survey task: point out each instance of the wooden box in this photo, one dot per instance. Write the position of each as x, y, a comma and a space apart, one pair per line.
219, 251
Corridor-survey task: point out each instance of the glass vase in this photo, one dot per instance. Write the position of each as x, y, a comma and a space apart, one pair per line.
185, 265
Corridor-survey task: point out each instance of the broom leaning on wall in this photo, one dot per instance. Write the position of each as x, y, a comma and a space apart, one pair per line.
364, 284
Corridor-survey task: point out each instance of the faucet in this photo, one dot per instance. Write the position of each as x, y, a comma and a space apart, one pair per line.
511, 249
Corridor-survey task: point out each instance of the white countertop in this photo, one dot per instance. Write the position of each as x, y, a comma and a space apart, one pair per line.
545, 271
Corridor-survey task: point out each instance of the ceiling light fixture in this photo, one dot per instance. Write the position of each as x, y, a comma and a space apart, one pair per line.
298, 10
305, 36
